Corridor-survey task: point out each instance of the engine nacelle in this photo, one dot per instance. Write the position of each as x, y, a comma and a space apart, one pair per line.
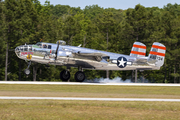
64, 54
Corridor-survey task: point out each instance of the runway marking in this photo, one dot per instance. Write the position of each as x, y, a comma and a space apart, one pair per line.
88, 99
85, 83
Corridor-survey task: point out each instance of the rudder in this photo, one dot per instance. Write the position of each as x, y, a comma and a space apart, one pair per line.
157, 54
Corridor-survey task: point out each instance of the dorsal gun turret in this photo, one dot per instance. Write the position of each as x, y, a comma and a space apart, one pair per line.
61, 42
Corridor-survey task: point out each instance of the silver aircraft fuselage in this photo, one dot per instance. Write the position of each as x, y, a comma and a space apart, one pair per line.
73, 56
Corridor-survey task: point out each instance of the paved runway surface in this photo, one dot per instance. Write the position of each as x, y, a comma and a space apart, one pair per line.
84, 83
98, 99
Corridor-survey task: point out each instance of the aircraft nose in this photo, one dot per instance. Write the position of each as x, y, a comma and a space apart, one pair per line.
17, 49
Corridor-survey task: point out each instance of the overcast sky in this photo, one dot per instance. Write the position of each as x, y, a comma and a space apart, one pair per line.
117, 4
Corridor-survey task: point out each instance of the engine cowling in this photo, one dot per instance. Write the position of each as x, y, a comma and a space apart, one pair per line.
64, 54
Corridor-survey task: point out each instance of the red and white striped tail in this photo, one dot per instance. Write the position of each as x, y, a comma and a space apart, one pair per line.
157, 54
138, 50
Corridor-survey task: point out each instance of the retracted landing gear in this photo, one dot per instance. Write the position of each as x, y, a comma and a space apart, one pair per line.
65, 75
27, 71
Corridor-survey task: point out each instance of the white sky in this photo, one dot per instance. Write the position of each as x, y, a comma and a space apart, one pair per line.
117, 4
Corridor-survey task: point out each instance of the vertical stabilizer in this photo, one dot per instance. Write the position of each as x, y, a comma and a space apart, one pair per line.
157, 54
138, 50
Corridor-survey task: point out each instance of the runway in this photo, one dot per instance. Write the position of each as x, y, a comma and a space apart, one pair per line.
85, 83
82, 98
89, 99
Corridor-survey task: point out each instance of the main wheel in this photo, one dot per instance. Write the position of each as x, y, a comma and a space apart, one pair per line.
79, 76
65, 75
27, 71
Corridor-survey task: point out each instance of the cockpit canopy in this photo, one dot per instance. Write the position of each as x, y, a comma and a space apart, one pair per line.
24, 48
43, 45
39, 45
46, 45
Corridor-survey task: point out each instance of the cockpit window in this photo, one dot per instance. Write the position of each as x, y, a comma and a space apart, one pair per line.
30, 48
21, 48
35, 46
25, 48
39, 44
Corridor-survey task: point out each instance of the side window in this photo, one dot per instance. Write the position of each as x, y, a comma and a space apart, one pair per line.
49, 46
44, 46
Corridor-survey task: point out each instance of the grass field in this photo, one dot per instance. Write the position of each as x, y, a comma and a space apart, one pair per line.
87, 110
90, 110
90, 91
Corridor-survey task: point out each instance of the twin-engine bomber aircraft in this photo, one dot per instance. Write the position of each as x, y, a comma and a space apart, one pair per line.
84, 58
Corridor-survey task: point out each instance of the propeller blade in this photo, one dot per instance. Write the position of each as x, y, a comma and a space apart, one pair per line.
57, 49
11, 50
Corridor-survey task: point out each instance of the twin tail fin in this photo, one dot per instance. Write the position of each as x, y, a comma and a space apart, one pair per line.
138, 50
156, 56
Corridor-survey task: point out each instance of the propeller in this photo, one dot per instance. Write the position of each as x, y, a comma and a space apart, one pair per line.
11, 50
58, 42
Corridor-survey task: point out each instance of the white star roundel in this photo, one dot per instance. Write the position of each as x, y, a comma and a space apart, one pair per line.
121, 62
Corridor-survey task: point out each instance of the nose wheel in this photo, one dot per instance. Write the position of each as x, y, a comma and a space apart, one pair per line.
27, 71
65, 75
79, 76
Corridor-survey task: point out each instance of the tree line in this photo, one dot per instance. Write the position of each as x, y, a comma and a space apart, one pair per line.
113, 30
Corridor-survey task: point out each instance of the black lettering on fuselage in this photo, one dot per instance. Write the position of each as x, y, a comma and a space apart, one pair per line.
159, 58
156, 57
153, 56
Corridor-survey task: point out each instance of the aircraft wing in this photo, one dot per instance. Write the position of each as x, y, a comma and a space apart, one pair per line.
92, 56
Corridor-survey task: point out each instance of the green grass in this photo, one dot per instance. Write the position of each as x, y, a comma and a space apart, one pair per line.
87, 110
90, 91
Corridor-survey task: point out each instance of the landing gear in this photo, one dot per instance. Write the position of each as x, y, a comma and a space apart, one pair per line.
79, 76
27, 71
65, 75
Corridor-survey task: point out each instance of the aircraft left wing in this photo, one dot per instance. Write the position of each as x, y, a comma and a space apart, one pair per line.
95, 56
